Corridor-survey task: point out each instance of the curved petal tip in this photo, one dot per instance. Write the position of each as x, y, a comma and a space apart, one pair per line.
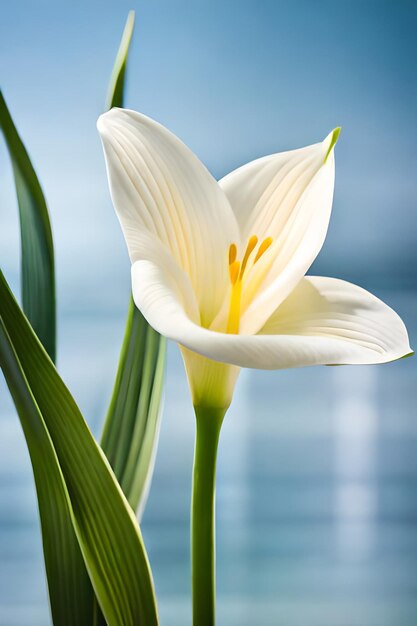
331, 139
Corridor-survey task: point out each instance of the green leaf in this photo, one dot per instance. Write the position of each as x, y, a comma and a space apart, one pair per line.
131, 430
70, 591
38, 273
106, 528
115, 93
132, 425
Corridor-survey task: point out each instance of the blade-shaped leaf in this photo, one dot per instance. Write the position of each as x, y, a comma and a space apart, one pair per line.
115, 94
132, 426
38, 273
71, 594
105, 525
131, 430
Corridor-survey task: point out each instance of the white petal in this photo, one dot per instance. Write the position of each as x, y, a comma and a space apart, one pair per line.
286, 196
158, 282
324, 321
340, 323
160, 187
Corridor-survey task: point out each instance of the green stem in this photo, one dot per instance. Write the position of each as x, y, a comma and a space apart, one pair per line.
208, 425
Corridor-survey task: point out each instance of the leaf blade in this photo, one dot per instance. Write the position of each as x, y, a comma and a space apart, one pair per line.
115, 94
38, 269
131, 429
70, 592
105, 525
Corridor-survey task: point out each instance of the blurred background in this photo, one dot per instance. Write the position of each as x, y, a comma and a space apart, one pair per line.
317, 506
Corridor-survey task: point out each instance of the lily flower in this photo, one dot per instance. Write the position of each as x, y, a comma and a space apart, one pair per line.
219, 267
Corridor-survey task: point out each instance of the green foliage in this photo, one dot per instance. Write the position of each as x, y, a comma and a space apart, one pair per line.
106, 528
132, 424
38, 272
115, 94
71, 507
70, 591
130, 435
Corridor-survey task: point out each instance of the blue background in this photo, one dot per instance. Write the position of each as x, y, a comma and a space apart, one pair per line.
317, 513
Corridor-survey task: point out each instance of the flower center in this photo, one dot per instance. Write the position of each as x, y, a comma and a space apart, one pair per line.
237, 274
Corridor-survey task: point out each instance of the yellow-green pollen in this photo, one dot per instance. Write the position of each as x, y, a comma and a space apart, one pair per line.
237, 273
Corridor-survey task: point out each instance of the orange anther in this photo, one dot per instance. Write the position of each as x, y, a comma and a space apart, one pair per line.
232, 253
249, 249
263, 247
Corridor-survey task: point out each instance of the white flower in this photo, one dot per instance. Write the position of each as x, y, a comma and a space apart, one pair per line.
220, 267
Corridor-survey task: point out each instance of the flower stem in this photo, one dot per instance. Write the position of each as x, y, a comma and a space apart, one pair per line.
208, 425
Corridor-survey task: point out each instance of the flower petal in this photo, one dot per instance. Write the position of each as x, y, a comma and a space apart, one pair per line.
324, 321
158, 283
286, 196
160, 187
355, 325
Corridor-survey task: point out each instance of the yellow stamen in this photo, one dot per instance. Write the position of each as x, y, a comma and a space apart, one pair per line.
234, 268
232, 253
234, 308
249, 249
263, 248
236, 273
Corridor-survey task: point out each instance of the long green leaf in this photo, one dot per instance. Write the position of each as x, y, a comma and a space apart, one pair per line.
71, 594
115, 94
131, 430
105, 525
132, 425
37, 271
